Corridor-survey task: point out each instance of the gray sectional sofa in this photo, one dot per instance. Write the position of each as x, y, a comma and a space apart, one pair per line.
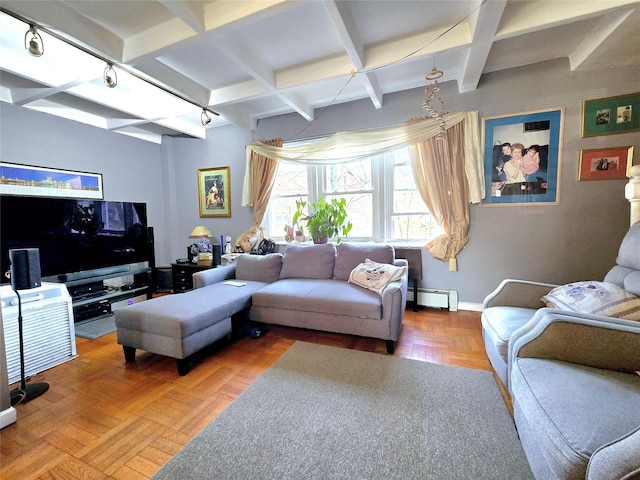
308, 287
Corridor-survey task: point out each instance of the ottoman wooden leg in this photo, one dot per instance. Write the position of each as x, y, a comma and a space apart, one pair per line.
129, 354
183, 366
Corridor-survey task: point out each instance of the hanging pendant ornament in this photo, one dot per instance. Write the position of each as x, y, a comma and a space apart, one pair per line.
433, 103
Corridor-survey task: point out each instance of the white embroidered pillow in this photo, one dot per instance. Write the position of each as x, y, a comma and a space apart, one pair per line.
375, 276
597, 298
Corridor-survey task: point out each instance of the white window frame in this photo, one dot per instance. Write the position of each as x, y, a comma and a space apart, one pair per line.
382, 171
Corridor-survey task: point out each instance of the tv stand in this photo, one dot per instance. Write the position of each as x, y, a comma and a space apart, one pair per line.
92, 298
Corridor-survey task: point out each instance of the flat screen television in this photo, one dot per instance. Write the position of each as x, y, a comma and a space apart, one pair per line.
73, 235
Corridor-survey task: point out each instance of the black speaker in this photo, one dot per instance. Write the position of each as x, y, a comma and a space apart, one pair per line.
25, 268
217, 255
151, 247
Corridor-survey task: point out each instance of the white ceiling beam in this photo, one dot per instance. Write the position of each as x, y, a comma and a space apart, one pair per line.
597, 35
526, 17
151, 42
418, 46
321, 69
238, 117
120, 123
162, 68
234, 49
484, 23
219, 18
341, 17
191, 13
238, 92
23, 96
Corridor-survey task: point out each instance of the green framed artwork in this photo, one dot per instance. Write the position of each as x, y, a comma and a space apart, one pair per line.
606, 116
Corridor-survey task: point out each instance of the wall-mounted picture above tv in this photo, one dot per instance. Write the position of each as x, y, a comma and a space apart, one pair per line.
73, 235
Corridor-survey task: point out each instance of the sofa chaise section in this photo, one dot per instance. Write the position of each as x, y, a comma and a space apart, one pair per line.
179, 325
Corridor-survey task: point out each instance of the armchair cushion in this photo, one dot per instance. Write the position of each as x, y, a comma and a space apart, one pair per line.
597, 298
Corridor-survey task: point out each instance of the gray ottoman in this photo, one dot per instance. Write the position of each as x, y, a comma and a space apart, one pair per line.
179, 325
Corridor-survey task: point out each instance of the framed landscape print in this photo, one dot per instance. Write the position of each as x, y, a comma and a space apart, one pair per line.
522, 157
214, 192
605, 163
49, 182
606, 116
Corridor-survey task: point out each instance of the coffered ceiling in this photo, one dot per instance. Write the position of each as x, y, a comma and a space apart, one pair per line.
248, 60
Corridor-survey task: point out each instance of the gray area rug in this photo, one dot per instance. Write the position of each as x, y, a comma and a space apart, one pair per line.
93, 329
325, 413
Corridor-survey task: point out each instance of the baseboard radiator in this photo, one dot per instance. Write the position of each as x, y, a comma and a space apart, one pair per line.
436, 298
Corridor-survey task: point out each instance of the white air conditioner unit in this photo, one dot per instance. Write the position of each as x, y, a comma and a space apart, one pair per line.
47, 325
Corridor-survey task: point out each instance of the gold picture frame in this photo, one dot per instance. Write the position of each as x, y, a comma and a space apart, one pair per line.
605, 163
214, 192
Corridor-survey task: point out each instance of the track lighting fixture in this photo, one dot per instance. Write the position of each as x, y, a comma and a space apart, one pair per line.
110, 78
35, 45
205, 118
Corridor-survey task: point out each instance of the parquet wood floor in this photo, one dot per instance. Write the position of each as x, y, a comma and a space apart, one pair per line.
104, 419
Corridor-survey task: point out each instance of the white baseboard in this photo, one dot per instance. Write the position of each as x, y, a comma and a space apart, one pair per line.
473, 307
7, 417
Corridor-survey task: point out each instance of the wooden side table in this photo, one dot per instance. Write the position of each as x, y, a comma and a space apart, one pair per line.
182, 275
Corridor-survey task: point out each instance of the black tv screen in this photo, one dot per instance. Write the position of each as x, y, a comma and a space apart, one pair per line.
73, 235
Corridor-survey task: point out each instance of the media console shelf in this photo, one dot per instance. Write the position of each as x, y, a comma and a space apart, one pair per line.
93, 298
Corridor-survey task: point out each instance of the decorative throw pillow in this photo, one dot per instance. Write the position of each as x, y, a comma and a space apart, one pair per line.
259, 268
597, 298
350, 255
375, 276
308, 261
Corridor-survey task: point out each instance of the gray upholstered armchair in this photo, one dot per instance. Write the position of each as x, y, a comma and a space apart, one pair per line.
576, 395
513, 304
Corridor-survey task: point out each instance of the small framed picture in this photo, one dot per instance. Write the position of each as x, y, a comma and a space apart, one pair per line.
214, 192
605, 163
606, 116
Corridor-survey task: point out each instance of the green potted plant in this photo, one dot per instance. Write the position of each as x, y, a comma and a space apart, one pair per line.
327, 219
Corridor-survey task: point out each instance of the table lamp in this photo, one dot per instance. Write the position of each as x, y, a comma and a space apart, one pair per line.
204, 244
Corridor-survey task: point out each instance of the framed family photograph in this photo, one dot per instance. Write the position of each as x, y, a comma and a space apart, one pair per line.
605, 163
49, 182
214, 192
522, 157
606, 116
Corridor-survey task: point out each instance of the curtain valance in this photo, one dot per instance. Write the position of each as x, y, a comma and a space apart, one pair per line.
344, 147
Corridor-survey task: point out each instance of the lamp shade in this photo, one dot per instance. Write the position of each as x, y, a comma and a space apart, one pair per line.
200, 232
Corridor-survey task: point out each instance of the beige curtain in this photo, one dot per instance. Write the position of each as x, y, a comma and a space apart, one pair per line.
262, 174
448, 177
438, 167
